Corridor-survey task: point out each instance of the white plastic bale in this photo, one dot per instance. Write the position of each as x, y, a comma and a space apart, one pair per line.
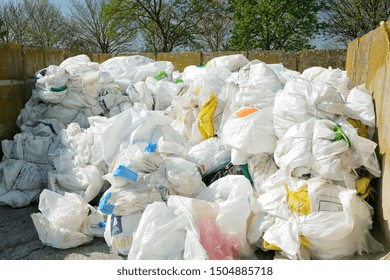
251, 133
233, 62
137, 160
335, 77
129, 127
359, 105
32, 111
332, 157
74, 99
10, 170
21, 175
301, 100
350, 227
213, 81
184, 176
261, 167
119, 232
78, 63
18, 198
160, 234
179, 219
63, 221
140, 93
129, 200
152, 69
283, 73
124, 68
337, 216
185, 117
163, 91
235, 198
192, 73
316, 151
84, 181
53, 85
256, 86
30, 177
209, 155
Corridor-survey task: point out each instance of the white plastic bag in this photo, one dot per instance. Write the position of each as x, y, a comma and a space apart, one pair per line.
53, 85
314, 219
63, 222
251, 131
184, 177
301, 100
129, 127
209, 155
18, 198
261, 167
119, 232
124, 68
233, 62
129, 200
160, 234
359, 106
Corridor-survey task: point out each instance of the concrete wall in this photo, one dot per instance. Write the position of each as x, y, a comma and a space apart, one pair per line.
19, 63
368, 61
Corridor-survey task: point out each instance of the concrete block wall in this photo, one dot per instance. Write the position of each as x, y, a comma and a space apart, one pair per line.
368, 62
18, 65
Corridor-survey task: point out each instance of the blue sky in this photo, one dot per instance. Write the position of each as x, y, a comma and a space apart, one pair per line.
63, 4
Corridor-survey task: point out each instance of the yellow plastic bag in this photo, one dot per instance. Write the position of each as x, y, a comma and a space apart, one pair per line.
299, 201
362, 129
363, 187
206, 114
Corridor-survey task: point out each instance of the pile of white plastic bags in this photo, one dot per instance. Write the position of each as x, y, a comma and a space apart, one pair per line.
140, 138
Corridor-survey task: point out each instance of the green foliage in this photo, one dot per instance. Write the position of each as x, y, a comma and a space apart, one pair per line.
274, 25
346, 20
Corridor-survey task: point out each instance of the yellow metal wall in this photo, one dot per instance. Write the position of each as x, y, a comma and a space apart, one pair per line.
368, 62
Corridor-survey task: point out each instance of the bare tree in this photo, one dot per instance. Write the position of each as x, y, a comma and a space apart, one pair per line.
102, 34
215, 26
33, 22
346, 20
15, 21
46, 23
164, 25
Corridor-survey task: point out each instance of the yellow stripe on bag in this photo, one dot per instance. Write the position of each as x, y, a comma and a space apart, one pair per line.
269, 246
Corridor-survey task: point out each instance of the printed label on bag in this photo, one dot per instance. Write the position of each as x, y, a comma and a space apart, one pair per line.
116, 225
331, 206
